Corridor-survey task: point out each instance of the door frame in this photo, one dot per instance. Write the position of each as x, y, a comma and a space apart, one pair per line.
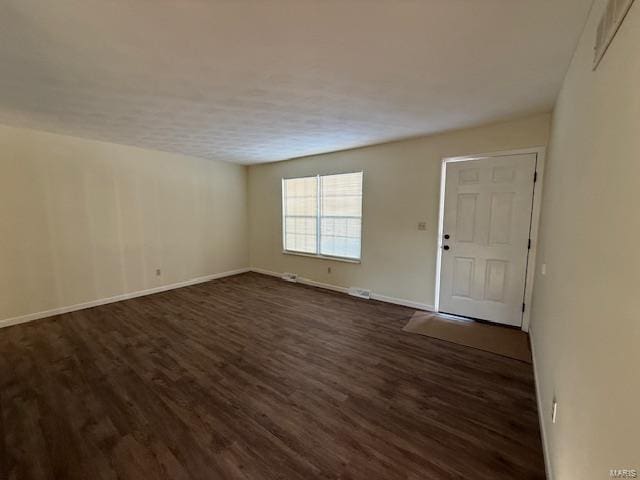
533, 226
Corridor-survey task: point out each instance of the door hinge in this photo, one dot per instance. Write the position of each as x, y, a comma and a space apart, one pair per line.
529, 245
535, 177
523, 308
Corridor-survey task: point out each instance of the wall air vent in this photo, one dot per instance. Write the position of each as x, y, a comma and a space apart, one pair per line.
360, 292
608, 27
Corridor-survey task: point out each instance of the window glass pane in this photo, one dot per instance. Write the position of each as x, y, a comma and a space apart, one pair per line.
300, 211
341, 215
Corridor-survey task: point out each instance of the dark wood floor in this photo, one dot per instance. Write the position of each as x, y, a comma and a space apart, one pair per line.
250, 377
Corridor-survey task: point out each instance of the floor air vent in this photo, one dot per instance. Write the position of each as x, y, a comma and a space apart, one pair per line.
360, 292
607, 28
290, 277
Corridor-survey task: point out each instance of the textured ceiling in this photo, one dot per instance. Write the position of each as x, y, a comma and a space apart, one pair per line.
264, 80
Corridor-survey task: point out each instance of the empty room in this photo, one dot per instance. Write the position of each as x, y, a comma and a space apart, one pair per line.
319, 239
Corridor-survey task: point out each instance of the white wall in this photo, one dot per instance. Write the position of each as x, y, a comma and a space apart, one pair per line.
586, 310
401, 188
83, 220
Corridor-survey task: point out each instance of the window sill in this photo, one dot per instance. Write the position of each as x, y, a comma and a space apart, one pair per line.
322, 257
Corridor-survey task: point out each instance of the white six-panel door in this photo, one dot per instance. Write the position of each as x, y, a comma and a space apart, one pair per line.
487, 216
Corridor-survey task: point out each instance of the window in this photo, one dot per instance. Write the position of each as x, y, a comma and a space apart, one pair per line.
322, 215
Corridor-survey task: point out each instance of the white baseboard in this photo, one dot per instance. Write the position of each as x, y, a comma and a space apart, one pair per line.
543, 430
265, 272
125, 296
336, 288
326, 286
403, 302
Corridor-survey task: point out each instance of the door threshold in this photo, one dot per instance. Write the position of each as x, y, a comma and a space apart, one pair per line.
453, 316
460, 318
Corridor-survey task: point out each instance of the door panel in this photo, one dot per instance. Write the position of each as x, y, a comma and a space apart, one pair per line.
466, 217
495, 281
500, 216
463, 277
487, 216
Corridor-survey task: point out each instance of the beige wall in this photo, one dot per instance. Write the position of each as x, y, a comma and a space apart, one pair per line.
586, 311
83, 220
401, 188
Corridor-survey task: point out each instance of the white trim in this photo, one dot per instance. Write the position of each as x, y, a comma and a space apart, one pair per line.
319, 179
443, 177
322, 257
543, 431
403, 302
533, 232
336, 288
326, 286
502, 153
265, 272
304, 281
125, 296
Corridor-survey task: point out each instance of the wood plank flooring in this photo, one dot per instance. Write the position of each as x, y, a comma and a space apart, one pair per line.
250, 377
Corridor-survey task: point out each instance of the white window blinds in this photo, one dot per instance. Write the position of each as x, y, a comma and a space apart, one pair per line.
322, 215
300, 201
341, 215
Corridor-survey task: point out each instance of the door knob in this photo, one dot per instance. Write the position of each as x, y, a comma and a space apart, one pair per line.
446, 247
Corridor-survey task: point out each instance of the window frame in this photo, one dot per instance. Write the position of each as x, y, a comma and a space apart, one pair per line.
283, 214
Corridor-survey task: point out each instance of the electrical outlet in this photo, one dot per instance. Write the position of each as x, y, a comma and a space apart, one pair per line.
554, 410
158, 272
422, 225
